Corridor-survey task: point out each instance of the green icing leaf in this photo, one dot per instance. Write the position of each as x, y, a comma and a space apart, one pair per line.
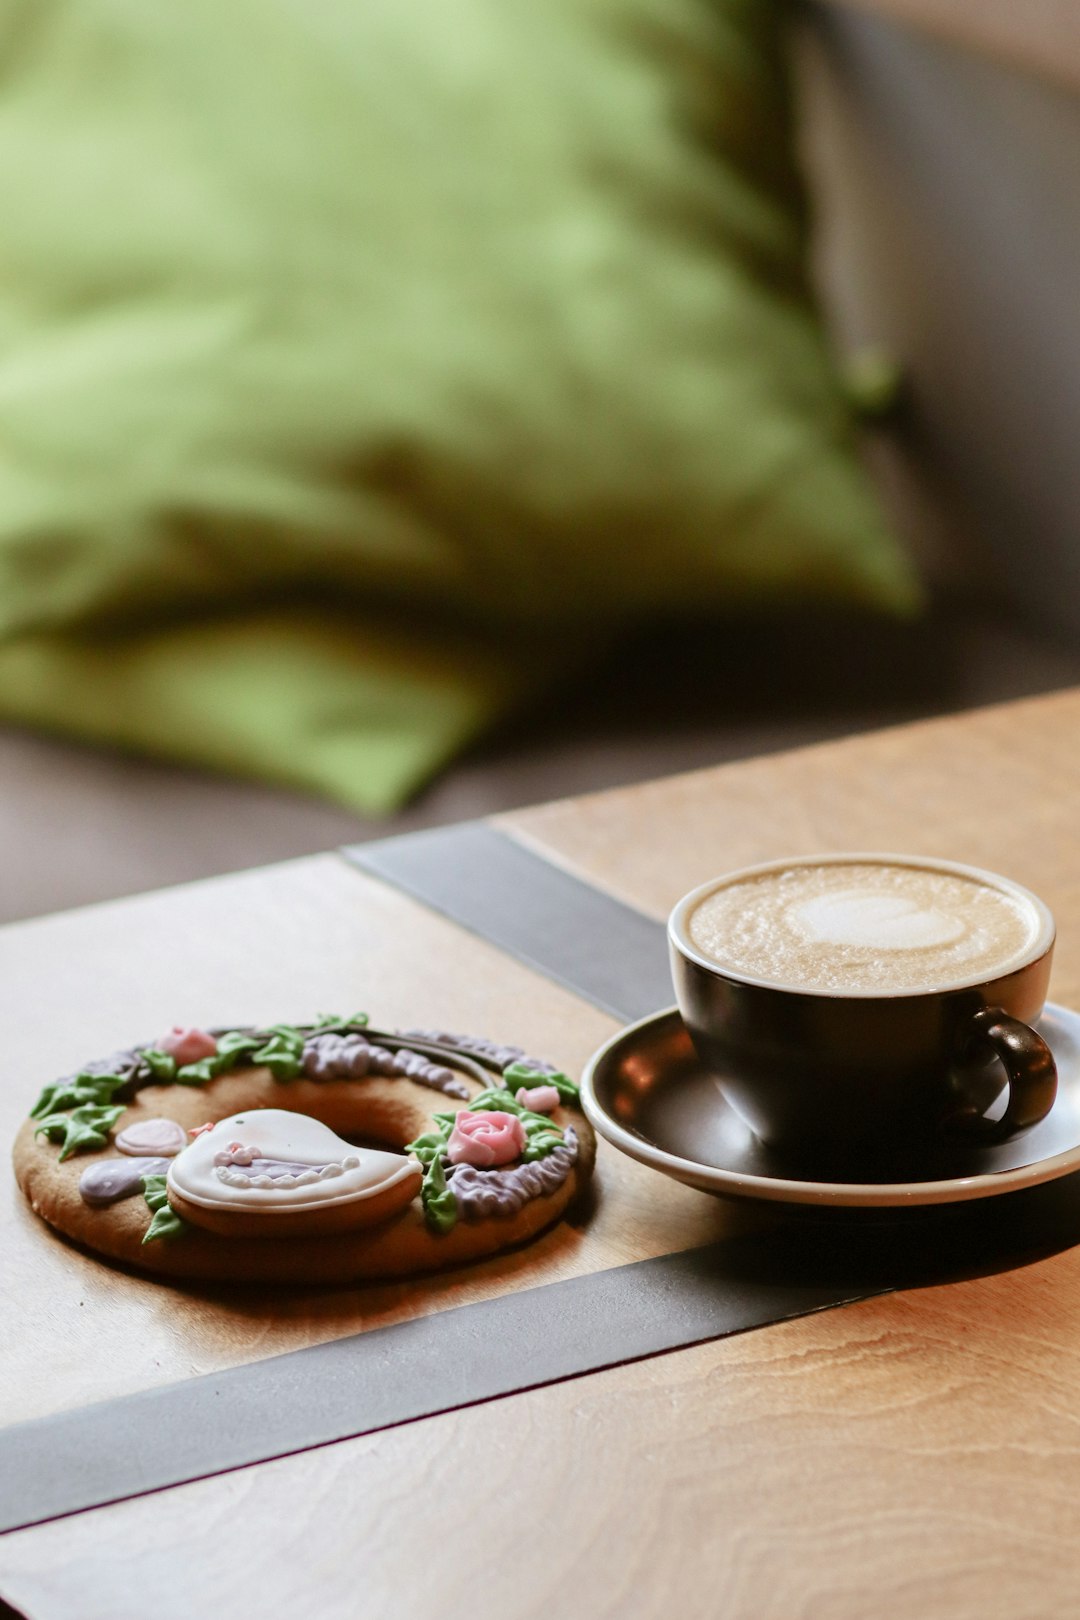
289, 1037
155, 1191
233, 1048
440, 1205
494, 1098
83, 1088
235, 1043
425, 1148
85, 1127
432, 1145
197, 1074
520, 1074
283, 1053
540, 1140
327, 1022
280, 1058
162, 1065
166, 1223
282, 1068
540, 1143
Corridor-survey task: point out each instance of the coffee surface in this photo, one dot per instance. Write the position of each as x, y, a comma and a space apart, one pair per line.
864, 926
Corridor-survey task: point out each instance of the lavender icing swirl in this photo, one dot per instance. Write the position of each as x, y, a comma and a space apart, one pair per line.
256, 1172
351, 1057
479, 1046
483, 1193
106, 1181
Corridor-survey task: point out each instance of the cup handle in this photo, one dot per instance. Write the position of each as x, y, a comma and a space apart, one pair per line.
1029, 1065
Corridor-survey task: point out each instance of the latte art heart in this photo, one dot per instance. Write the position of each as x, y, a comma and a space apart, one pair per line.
865, 927
887, 922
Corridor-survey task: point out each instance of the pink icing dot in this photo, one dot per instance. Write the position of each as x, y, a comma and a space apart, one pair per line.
160, 1138
540, 1100
187, 1044
236, 1153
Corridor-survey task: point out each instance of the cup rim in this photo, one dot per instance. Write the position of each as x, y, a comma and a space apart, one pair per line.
679, 937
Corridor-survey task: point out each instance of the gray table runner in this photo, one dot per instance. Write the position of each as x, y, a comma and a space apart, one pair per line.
604, 951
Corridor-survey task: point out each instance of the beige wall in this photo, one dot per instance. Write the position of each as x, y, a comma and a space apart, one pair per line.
1039, 34
949, 233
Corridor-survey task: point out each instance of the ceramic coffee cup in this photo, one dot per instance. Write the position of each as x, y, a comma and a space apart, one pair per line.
861, 1007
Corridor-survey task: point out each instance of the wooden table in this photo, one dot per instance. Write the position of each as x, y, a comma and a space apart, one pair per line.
917, 1452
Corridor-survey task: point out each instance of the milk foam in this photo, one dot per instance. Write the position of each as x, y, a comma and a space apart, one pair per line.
864, 926
889, 922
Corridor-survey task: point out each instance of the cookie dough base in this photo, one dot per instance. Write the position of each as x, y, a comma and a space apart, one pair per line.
388, 1112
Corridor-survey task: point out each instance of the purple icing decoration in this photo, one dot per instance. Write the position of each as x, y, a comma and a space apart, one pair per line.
109, 1180
273, 1168
115, 1063
481, 1047
350, 1057
481, 1193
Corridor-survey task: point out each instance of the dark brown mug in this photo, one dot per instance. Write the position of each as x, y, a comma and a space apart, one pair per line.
837, 1076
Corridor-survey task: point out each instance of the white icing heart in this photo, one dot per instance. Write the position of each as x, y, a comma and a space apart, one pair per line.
886, 922
295, 1140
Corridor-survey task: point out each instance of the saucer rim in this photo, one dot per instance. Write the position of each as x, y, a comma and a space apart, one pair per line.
791, 1190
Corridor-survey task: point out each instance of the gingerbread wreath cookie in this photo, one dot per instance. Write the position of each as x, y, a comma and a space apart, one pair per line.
233, 1155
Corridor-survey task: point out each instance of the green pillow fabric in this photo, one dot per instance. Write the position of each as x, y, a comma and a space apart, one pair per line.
361, 364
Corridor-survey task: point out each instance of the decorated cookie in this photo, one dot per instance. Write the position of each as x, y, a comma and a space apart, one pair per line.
305, 1153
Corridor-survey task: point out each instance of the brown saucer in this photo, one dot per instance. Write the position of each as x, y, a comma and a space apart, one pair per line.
650, 1095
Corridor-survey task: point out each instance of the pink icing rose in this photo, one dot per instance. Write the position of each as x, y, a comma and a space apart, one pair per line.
485, 1139
187, 1045
540, 1100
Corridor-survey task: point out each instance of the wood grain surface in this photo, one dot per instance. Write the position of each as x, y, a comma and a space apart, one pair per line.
914, 1455
917, 1453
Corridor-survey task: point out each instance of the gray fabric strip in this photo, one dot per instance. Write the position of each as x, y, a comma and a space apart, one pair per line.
210, 1425
329, 1392
598, 947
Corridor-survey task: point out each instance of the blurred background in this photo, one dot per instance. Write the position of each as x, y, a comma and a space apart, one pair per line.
409, 415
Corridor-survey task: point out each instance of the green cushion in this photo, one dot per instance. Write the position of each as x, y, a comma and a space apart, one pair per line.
360, 364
